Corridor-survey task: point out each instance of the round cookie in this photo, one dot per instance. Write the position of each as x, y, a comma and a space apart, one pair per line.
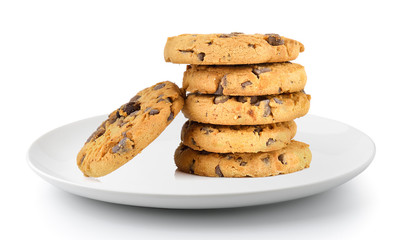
237, 139
129, 129
232, 110
230, 49
245, 80
295, 157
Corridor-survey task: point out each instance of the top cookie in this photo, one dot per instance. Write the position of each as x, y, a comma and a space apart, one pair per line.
129, 129
230, 49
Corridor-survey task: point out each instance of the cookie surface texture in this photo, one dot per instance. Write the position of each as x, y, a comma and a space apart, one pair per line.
232, 110
245, 80
129, 129
237, 139
230, 49
295, 157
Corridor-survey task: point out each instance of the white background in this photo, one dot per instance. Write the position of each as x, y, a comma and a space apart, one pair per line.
62, 61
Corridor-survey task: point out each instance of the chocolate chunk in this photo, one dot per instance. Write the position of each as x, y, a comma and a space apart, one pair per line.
245, 84
154, 112
159, 86
207, 130
131, 107
220, 99
218, 171
241, 99
192, 167
98, 133
222, 83
267, 108
120, 147
201, 56
193, 142
281, 159
113, 117
171, 117
186, 51
274, 39
278, 100
258, 71
270, 141
266, 160
254, 100
243, 164
258, 130
134, 99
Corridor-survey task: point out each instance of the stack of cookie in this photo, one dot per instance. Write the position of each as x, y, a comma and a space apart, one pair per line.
243, 98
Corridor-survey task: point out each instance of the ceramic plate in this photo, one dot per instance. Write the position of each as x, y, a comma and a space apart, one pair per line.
340, 152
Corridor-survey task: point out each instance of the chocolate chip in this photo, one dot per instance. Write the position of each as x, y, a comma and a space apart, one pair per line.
134, 99
220, 99
254, 100
258, 71
270, 141
258, 130
241, 99
278, 100
159, 86
243, 164
232, 34
120, 147
131, 107
81, 160
274, 39
207, 130
171, 117
192, 167
96, 134
266, 160
186, 51
201, 56
245, 84
267, 108
218, 171
281, 159
222, 83
154, 112
193, 142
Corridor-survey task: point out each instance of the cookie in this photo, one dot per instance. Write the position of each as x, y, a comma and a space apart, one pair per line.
295, 157
129, 129
237, 139
232, 110
230, 49
245, 80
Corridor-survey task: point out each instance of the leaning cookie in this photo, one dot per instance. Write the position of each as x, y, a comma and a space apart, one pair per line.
230, 49
226, 110
237, 139
295, 157
245, 80
129, 129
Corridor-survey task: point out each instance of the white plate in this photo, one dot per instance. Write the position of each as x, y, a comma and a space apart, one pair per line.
340, 152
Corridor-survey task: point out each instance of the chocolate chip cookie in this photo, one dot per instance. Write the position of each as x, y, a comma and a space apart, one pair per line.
245, 80
129, 129
230, 49
295, 157
237, 139
256, 110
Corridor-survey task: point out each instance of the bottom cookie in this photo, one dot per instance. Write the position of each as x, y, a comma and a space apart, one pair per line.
295, 157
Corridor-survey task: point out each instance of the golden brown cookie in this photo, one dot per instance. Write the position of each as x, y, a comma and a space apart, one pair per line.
245, 80
295, 157
232, 110
237, 139
129, 129
230, 49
